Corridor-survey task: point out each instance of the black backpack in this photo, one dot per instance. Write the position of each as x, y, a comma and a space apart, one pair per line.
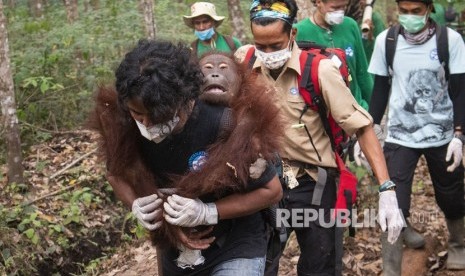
442, 44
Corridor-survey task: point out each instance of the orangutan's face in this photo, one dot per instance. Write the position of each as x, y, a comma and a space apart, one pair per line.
221, 79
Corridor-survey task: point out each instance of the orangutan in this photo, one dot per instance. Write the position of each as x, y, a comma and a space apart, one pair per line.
253, 132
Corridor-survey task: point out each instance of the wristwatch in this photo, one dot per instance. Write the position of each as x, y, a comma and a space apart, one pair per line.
461, 137
388, 185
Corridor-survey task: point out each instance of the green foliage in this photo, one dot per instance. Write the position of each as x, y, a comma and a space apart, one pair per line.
138, 229
25, 229
418, 187
57, 65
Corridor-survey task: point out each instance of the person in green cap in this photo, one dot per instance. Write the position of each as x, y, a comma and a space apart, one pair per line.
204, 21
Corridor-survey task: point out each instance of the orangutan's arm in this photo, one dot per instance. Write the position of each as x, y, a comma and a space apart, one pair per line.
122, 189
239, 205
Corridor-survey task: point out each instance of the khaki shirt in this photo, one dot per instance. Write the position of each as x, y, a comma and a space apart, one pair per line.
339, 101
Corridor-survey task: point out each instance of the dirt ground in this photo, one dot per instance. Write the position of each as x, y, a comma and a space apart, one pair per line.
362, 253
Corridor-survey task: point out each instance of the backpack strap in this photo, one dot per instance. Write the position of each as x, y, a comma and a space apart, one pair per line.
442, 44
230, 41
319, 186
391, 43
314, 96
194, 46
307, 45
309, 82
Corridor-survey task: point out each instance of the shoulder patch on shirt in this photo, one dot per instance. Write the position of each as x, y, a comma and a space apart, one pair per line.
433, 55
294, 91
197, 160
349, 51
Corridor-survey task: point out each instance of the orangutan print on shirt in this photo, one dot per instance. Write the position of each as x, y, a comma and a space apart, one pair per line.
424, 115
420, 110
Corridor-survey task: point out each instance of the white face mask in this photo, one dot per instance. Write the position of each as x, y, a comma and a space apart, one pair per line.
274, 60
334, 17
158, 132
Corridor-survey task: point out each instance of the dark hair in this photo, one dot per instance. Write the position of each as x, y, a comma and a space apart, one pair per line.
264, 21
162, 75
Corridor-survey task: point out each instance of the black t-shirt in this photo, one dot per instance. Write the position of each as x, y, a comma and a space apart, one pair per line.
242, 237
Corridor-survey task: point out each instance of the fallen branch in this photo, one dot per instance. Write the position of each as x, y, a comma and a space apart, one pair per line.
62, 190
72, 164
58, 132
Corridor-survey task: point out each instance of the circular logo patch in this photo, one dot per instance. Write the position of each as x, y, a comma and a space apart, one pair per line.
197, 160
294, 91
433, 55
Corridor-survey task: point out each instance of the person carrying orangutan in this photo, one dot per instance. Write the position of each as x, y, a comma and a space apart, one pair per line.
157, 134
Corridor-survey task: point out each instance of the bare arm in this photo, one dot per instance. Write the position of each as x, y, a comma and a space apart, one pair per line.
373, 152
238, 205
122, 189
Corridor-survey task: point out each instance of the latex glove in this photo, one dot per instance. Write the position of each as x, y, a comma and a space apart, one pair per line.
455, 149
389, 212
189, 212
359, 157
147, 210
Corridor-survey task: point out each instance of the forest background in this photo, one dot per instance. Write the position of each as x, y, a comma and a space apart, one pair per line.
62, 218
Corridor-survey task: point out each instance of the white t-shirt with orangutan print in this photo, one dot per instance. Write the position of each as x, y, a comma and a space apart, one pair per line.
420, 110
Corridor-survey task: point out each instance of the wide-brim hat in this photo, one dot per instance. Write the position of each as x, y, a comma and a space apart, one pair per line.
426, 2
203, 8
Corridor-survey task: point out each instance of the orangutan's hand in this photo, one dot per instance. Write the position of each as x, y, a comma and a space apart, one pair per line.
193, 239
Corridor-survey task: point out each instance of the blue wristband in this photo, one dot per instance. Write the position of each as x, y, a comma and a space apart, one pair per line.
388, 185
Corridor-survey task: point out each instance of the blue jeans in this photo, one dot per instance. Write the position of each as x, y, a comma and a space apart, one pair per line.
240, 267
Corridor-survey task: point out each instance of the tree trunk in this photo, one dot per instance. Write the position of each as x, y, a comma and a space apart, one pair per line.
91, 5
146, 7
74, 9
95, 4
306, 9
237, 20
11, 3
7, 100
71, 10
37, 8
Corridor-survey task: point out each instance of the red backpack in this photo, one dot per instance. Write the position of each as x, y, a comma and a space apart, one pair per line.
310, 91
309, 88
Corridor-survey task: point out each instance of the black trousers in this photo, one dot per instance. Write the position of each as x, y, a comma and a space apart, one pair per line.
448, 186
317, 243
